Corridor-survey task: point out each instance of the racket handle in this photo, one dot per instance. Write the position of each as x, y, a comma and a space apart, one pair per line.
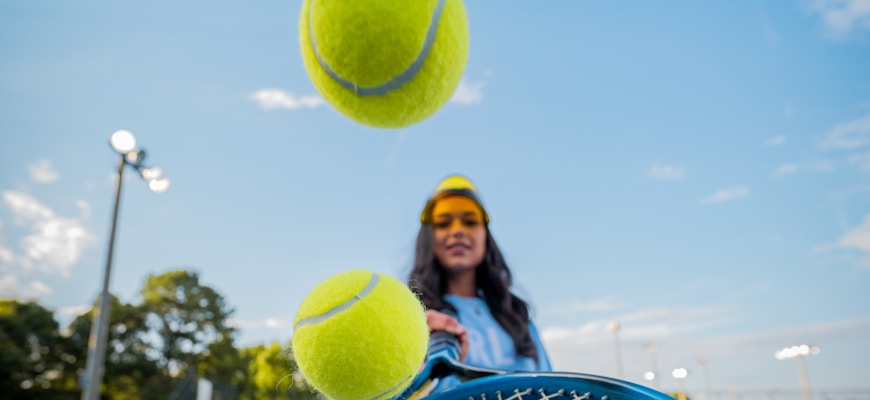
444, 345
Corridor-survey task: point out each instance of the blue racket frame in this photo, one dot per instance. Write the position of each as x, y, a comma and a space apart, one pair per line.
492, 384
548, 386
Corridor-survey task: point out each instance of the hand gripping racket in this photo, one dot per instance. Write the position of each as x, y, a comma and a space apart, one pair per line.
491, 384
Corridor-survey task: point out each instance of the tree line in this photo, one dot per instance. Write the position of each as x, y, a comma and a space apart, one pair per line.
157, 349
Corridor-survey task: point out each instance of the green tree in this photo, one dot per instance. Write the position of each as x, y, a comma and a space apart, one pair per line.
131, 369
156, 349
34, 356
273, 374
190, 320
224, 363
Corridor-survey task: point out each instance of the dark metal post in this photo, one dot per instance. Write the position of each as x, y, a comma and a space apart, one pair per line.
100, 328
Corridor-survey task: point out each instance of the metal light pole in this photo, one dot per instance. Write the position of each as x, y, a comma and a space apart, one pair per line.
702, 359
798, 352
124, 143
680, 375
653, 375
614, 326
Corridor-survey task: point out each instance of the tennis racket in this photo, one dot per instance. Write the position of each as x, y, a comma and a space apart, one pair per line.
492, 384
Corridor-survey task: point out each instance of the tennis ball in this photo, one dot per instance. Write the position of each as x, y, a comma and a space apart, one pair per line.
384, 63
360, 335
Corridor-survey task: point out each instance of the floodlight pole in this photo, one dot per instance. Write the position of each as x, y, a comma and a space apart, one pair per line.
652, 349
708, 387
680, 375
100, 327
124, 143
805, 382
614, 326
798, 352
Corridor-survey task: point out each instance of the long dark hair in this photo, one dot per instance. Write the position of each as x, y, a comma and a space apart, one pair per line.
493, 280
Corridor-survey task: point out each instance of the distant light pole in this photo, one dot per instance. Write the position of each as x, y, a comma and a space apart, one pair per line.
614, 326
680, 375
798, 352
653, 375
124, 143
650, 376
703, 360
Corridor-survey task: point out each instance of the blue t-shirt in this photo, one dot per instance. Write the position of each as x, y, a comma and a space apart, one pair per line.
489, 345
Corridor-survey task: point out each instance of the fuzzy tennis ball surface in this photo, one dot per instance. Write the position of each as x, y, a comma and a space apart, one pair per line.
360, 335
384, 63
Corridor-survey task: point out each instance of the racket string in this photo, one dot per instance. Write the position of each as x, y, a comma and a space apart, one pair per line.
517, 394
545, 396
542, 395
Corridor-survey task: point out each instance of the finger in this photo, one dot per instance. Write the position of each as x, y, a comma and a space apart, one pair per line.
438, 321
453, 327
435, 320
463, 345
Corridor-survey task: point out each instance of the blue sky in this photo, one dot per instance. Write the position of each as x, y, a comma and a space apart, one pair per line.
699, 173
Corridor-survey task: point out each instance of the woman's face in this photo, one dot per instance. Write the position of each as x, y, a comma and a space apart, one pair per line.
460, 233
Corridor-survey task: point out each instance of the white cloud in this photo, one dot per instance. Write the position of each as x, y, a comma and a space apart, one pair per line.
861, 161
849, 135
728, 194
7, 257
858, 238
742, 358
597, 305
785, 169
647, 323
11, 288
745, 344
277, 323
843, 16
73, 311
775, 141
557, 334
276, 98
26, 208
658, 321
54, 244
658, 171
588, 347
43, 172
468, 93
85, 208
271, 323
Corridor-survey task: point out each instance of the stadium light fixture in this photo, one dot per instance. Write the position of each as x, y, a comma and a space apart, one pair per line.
124, 143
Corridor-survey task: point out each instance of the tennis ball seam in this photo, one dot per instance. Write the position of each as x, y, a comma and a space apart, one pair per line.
401, 385
393, 83
373, 282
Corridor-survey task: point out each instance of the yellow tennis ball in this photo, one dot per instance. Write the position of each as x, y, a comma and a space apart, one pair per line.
360, 335
384, 63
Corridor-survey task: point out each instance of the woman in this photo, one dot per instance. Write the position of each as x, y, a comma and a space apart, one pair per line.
458, 267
